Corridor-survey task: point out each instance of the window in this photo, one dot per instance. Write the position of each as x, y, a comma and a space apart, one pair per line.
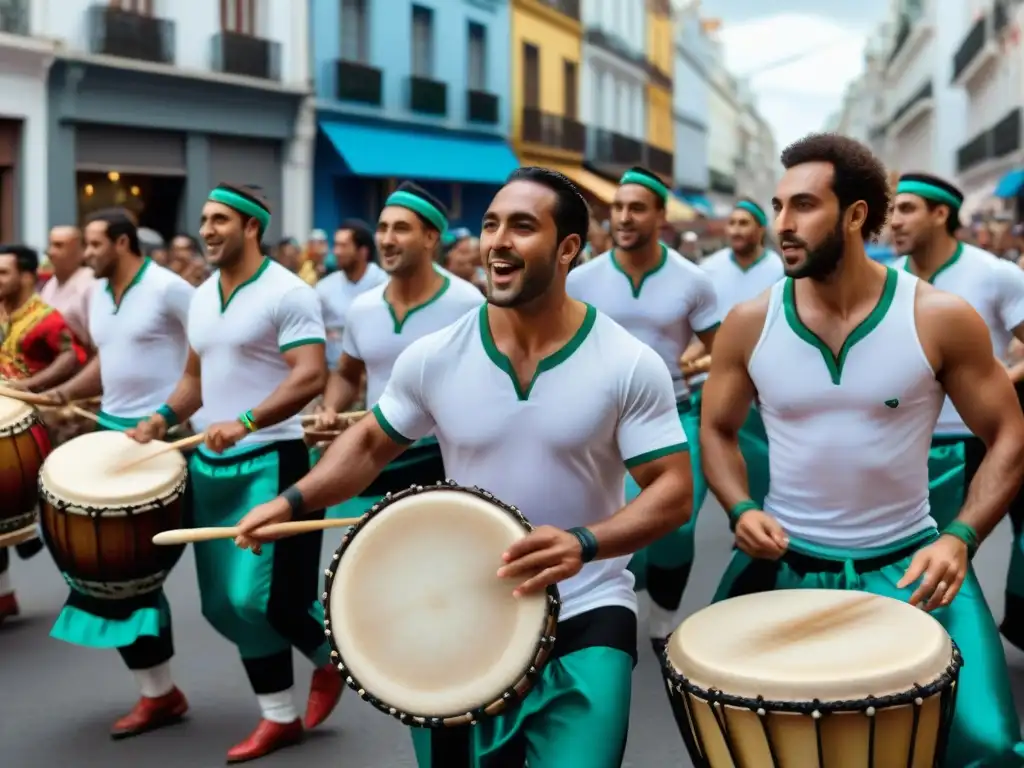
422, 42
476, 58
238, 16
572, 96
531, 76
355, 31
142, 7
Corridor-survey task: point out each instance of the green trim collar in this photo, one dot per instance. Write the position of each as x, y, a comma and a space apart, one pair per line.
635, 288
134, 281
399, 324
224, 302
942, 267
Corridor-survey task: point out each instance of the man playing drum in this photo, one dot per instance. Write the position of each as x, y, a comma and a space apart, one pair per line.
664, 300
544, 402
138, 320
256, 359
419, 299
850, 362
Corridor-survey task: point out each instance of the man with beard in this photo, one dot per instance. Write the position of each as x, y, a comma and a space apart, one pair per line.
849, 361
138, 317
925, 220
664, 301
545, 402
256, 359
418, 300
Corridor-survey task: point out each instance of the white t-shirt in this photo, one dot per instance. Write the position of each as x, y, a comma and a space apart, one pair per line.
734, 284
142, 342
995, 288
240, 343
336, 293
558, 450
373, 335
674, 301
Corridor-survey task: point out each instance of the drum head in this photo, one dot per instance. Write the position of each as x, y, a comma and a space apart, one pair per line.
806, 644
13, 411
86, 471
417, 611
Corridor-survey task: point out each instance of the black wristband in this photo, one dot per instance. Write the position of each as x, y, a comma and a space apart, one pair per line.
588, 543
293, 496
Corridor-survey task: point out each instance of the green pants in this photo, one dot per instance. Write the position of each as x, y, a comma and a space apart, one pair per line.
986, 731
264, 604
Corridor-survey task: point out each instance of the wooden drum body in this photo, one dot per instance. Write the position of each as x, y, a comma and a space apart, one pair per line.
99, 521
24, 445
813, 679
418, 621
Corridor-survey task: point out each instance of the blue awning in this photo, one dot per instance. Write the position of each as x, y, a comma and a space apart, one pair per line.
1010, 185
701, 203
385, 151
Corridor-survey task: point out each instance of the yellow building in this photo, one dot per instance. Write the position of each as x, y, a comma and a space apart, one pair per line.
660, 123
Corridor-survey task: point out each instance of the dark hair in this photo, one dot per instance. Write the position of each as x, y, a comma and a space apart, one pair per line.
361, 236
571, 214
659, 200
119, 224
185, 236
953, 219
25, 258
857, 174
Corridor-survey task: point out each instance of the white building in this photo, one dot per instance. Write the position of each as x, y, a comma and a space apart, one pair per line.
757, 159
691, 107
152, 102
724, 113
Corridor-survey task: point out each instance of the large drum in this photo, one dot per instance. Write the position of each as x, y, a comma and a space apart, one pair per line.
99, 521
813, 679
24, 444
419, 623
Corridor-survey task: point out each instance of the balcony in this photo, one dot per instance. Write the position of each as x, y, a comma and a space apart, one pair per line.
555, 131
482, 107
428, 97
911, 106
614, 45
721, 182
359, 83
116, 32
1006, 136
902, 35
660, 8
999, 141
660, 161
14, 17
970, 47
613, 150
570, 8
238, 54
657, 76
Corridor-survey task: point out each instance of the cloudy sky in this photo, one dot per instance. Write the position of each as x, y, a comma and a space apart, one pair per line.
827, 47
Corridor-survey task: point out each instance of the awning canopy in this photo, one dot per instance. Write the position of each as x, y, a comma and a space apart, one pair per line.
600, 188
386, 151
700, 203
1010, 185
676, 210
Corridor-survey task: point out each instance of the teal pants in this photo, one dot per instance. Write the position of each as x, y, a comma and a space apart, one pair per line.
986, 732
269, 603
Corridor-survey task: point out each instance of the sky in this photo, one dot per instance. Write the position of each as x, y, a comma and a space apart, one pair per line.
796, 98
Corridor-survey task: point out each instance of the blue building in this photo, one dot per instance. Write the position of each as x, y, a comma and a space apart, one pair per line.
410, 91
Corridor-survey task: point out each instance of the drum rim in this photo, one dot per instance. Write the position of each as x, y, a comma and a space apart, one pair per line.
516, 692
69, 507
21, 426
916, 695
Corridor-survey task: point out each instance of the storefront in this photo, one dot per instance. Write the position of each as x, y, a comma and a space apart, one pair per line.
157, 143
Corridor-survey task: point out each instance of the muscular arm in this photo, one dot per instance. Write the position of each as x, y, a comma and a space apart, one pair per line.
61, 369
343, 384
707, 339
187, 397
84, 384
304, 382
1016, 370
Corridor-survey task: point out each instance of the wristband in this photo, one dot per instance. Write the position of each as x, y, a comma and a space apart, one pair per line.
966, 534
588, 543
168, 415
737, 511
248, 422
296, 503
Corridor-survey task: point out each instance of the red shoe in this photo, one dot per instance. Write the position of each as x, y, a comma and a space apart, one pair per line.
324, 694
150, 714
8, 607
268, 737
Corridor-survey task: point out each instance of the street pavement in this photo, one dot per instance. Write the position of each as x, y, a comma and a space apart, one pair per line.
57, 701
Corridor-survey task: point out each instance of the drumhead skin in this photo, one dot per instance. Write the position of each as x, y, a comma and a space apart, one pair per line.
85, 471
13, 412
808, 644
418, 614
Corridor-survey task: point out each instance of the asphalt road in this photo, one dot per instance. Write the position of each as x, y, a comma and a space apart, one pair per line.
58, 701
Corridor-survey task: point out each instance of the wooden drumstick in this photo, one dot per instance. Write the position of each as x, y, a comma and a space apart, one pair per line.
821, 620
76, 411
193, 535
177, 445
26, 397
310, 418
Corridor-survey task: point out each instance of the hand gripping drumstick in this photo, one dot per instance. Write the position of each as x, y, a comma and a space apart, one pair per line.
26, 397
193, 535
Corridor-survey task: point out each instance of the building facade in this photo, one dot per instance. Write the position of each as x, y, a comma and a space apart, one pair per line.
757, 160
660, 69
724, 113
152, 103
691, 109
416, 91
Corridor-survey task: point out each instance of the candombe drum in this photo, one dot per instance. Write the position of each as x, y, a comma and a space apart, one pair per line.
418, 621
813, 679
24, 445
99, 520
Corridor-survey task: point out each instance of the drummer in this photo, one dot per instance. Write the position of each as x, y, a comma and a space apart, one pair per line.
138, 320
850, 361
545, 402
665, 301
382, 322
256, 359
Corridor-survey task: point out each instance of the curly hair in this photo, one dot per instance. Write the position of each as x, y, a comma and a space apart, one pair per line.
857, 174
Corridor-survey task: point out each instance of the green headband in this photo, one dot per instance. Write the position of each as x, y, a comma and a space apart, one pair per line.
753, 210
418, 205
929, 192
243, 205
632, 177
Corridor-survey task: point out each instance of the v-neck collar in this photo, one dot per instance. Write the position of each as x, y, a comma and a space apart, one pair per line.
399, 324
139, 274
942, 267
224, 303
635, 288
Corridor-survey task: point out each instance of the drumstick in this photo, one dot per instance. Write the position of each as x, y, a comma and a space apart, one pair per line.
75, 410
309, 418
177, 445
26, 397
820, 620
193, 535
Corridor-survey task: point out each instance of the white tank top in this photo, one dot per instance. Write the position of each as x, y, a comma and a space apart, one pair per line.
849, 435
